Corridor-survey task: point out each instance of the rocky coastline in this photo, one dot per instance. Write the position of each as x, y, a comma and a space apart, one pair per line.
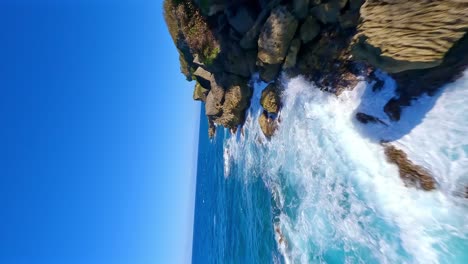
422, 44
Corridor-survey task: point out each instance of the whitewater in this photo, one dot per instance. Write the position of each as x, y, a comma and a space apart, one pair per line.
335, 198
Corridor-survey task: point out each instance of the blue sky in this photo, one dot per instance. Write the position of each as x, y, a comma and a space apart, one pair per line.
99, 135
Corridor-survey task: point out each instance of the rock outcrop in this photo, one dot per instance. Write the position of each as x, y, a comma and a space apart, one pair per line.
410, 173
276, 35
199, 93
267, 124
421, 43
401, 35
270, 99
236, 101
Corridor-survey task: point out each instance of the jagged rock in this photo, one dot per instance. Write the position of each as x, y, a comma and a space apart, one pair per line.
267, 124
349, 19
327, 13
268, 72
276, 35
400, 35
290, 60
300, 8
249, 41
211, 128
270, 99
214, 100
199, 93
236, 100
238, 61
410, 173
203, 77
393, 108
309, 29
241, 19
365, 118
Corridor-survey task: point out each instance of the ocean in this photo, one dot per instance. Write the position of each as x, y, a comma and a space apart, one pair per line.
321, 190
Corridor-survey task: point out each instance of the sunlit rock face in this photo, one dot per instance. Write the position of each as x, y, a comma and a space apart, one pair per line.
400, 35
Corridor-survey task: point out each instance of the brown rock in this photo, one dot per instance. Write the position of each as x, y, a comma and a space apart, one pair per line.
267, 125
199, 93
400, 35
276, 35
236, 101
214, 100
410, 173
270, 99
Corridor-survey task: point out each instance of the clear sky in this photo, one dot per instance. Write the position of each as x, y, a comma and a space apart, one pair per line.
98, 135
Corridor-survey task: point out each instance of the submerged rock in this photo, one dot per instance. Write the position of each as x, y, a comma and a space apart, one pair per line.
365, 118
270, 99
410, 173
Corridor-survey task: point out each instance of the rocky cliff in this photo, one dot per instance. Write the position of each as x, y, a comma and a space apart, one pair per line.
221, 43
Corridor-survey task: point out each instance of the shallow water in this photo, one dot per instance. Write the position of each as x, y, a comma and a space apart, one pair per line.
321, 190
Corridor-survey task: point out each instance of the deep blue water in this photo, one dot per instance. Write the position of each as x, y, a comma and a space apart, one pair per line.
233, 220
321, 190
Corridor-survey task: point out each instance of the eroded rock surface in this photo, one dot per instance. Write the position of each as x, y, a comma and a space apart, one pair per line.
410, 173
400, 35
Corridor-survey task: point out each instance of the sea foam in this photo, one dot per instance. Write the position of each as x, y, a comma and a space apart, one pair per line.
337, 199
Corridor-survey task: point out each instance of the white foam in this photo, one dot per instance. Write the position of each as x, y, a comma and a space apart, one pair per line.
337, 193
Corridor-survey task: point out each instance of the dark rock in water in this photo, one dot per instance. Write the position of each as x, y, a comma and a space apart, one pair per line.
378, 85
365, 118
410, 173
393, 109
270, 99
309, 29
276, 35
199, 93
401, 35
267, 124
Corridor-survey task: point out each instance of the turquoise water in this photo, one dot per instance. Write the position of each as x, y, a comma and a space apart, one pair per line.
321, 190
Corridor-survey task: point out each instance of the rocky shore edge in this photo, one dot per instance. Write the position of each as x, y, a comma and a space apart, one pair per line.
421, 44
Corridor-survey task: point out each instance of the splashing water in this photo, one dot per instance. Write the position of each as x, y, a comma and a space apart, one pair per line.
336, 198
